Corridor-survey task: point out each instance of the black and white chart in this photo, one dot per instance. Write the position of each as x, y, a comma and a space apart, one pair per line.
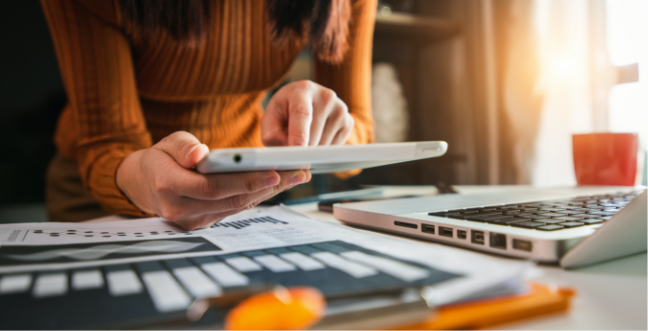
15, 255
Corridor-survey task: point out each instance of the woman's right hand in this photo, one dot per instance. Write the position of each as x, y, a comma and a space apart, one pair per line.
160, 180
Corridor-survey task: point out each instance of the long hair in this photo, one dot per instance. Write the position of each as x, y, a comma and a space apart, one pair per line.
324, 22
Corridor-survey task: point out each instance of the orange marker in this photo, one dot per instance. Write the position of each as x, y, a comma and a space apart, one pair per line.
295, 308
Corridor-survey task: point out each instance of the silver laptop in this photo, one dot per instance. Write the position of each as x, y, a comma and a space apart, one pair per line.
573, 226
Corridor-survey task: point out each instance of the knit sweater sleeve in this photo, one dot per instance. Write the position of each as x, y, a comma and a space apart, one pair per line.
106, 118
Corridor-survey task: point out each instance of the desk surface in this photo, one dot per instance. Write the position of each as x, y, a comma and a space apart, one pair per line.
611, 295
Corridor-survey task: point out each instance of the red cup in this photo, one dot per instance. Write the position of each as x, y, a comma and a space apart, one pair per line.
605, 158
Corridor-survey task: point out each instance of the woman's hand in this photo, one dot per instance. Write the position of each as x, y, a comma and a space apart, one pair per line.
305, 114
160, 180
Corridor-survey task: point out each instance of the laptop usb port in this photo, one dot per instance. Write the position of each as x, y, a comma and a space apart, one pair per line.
406, 225
498, 240
427, 228
523, 245
477, 237
461, 234
446, 232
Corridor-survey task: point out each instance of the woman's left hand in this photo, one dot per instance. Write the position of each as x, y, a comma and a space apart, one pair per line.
306, 114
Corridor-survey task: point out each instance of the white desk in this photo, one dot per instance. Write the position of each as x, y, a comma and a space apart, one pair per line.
611, 295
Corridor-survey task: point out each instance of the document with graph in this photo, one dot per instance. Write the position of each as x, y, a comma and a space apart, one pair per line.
118, 273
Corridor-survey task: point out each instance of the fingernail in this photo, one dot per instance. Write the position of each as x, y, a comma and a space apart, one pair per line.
271, 181
203, 146
295, 180
191, 150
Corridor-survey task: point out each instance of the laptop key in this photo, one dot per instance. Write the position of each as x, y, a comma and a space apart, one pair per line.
602, 213
569, 219
572, 208
551, 214
585, 210
559, 203
591, 221
510, 208
508, 221
468, 212
528, 225
452, 214
570, 212
489, 209
549, 221
571, 224
534, 217
532, 205
495, 218
485, 215
611, 205
552, 209
587, 216
550, 227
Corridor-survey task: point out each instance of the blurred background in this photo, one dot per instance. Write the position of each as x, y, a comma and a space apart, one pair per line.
505, 82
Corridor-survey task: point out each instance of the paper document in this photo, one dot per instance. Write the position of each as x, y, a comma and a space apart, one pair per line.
276, 240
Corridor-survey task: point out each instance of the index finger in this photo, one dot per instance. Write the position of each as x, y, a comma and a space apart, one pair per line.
300, 116
220, 186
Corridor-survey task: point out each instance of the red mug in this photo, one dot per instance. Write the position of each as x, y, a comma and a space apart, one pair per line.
605, 158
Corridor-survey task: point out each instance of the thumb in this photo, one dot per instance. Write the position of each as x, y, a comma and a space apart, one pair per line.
184, 148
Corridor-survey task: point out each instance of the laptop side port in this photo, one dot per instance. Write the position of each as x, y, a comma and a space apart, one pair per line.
427, 228
446, 232
406, 225
477, 237
498, 240
523, 245
461, 234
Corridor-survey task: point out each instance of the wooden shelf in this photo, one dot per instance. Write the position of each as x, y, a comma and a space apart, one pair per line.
415, 28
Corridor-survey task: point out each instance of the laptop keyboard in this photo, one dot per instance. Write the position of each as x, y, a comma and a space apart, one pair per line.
550, 215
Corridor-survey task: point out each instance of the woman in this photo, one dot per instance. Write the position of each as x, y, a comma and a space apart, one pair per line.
153, 85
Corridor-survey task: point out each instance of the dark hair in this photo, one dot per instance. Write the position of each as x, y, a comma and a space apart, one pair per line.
325, 22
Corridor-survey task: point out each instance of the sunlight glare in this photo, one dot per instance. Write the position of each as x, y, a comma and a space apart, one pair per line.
626, 20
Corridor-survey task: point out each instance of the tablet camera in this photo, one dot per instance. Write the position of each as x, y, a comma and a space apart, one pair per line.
237, 158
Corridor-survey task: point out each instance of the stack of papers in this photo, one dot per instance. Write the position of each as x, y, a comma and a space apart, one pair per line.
125, 273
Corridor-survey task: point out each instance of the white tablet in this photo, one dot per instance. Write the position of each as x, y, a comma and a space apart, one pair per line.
319, 159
